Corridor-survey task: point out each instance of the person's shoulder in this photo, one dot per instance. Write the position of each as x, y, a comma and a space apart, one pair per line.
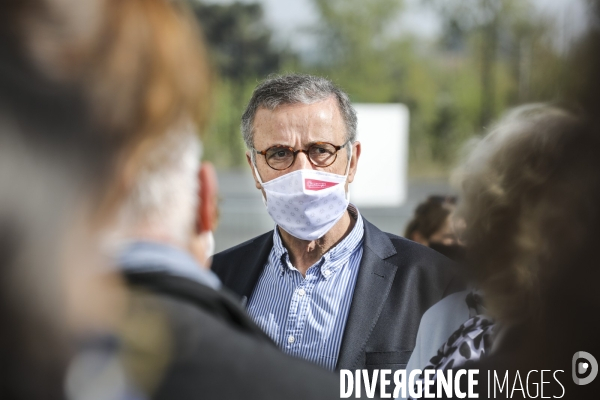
420, 254
404, 252
229, 264
218, 352
419, 261
189, 320
184, 300
242, 247
452, 306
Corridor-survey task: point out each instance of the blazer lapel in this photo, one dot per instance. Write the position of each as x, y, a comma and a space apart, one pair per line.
373, 284
256, 257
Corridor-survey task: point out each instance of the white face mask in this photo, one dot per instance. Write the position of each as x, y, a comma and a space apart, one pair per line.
307, 203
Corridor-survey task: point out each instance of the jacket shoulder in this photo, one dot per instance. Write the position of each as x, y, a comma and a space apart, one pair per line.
239, 267
419, 260
219, 303
414, 251
205, 353
232, 254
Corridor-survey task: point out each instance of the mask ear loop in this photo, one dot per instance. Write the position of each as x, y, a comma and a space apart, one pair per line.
262, 195
349, 160
348, 171
253, 159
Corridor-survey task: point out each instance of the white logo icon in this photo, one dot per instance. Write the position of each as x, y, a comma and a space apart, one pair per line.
582, 367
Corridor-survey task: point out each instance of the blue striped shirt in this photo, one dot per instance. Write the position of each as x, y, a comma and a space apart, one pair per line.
306, 316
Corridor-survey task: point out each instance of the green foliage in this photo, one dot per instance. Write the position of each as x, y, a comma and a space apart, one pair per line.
492, 54
238, 38
223, 144
239, 43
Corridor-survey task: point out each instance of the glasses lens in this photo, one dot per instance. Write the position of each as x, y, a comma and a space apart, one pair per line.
279, 157
322, 154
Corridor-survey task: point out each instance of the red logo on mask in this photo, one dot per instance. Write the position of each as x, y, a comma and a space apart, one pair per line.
313, 184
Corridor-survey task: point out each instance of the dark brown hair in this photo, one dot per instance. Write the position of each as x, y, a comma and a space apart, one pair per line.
430, 216
530, 192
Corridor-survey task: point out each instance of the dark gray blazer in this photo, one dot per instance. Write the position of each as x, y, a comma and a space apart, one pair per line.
216, 351
397, 282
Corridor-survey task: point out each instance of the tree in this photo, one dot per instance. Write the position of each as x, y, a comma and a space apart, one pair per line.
355, 38
239, 39
505, 32
240, 44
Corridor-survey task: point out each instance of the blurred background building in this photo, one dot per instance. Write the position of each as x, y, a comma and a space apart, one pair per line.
455, 64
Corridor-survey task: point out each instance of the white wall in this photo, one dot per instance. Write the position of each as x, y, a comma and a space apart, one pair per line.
381, 179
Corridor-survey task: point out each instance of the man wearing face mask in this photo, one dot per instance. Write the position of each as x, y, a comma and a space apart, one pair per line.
325, 284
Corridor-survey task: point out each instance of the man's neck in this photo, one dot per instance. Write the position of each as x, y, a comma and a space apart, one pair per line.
195, 245
151, 234
305, 253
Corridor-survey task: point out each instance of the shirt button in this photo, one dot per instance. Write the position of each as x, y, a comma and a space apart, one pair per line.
327, 272
291, 339
301, 292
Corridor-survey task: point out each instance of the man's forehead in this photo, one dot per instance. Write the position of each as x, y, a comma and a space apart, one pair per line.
282, 101
315, 122
326, 110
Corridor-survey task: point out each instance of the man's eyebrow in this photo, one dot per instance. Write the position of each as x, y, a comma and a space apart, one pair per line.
267, 147
279, 145
306, 146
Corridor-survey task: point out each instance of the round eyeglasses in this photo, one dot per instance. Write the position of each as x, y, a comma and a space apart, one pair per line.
320, 154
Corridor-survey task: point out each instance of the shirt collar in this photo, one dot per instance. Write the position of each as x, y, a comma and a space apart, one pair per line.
343, 249
149, 256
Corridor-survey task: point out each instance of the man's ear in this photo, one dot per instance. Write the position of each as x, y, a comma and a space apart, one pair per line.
207, 213
249, 160
356, 150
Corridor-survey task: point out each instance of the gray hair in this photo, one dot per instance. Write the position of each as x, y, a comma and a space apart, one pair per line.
164, 193
293, 89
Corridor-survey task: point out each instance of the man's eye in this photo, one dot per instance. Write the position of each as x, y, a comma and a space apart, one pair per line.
275, 154
321, 150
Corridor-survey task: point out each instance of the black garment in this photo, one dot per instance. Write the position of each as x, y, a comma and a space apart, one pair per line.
397, 282
215, 350
546, 342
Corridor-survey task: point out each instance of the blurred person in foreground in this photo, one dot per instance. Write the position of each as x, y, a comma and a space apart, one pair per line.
326, 285
530, 195
85, 87
432, 226
91, 90
202, 344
